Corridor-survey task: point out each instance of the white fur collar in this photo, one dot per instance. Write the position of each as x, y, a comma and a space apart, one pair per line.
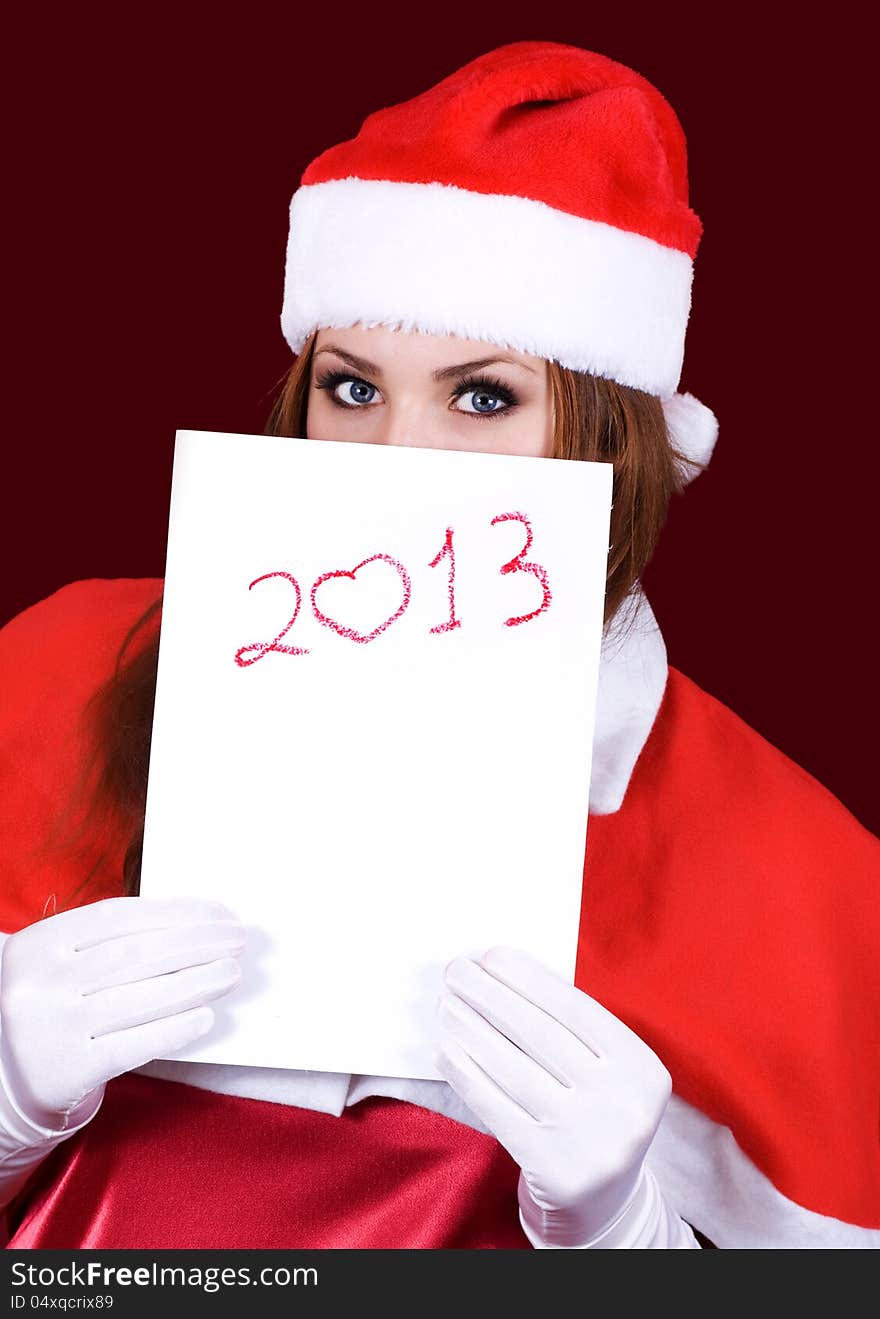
632, 680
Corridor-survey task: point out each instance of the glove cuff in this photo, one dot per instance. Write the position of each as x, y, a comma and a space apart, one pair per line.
647, 1222
23, 1145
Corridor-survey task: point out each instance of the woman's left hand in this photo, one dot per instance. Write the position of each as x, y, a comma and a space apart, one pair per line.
573, 1095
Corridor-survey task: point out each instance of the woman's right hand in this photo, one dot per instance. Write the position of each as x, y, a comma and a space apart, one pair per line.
96, 991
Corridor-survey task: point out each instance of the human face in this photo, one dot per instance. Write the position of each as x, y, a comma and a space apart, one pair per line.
382, 386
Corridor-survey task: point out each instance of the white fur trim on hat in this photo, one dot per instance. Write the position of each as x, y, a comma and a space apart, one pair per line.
693, 430
508, 270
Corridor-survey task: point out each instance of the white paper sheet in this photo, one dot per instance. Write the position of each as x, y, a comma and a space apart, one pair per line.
377, 806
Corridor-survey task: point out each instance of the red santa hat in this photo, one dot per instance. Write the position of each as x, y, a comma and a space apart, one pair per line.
537, 199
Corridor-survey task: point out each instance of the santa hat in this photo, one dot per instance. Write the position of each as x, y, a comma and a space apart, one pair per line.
537, 199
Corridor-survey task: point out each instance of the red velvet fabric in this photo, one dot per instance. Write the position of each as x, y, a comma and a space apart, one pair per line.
168, 1166
731, 918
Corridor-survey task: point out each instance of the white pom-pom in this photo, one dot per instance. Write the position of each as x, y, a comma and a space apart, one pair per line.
693, 430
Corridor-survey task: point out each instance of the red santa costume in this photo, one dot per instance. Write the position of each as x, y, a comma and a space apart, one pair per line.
729, 913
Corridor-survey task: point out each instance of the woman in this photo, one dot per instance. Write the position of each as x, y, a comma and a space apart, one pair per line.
503, 263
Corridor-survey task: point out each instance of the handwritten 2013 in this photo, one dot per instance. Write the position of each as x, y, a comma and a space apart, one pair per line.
447, 551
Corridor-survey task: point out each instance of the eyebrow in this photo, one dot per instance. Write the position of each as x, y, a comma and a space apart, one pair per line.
442, 373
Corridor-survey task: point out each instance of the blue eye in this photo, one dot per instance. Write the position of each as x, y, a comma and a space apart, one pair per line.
485, 403
360, 392
487, 395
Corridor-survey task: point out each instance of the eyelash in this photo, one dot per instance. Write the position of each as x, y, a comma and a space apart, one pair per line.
489, 384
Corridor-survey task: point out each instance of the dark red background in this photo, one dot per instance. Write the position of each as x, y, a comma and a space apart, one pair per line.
154, 152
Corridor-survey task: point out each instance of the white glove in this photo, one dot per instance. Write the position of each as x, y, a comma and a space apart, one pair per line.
93, 992
572, 1094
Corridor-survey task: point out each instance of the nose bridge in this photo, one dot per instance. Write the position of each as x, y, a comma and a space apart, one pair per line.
405, 419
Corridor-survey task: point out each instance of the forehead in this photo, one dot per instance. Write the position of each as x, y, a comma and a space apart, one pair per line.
383, 346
